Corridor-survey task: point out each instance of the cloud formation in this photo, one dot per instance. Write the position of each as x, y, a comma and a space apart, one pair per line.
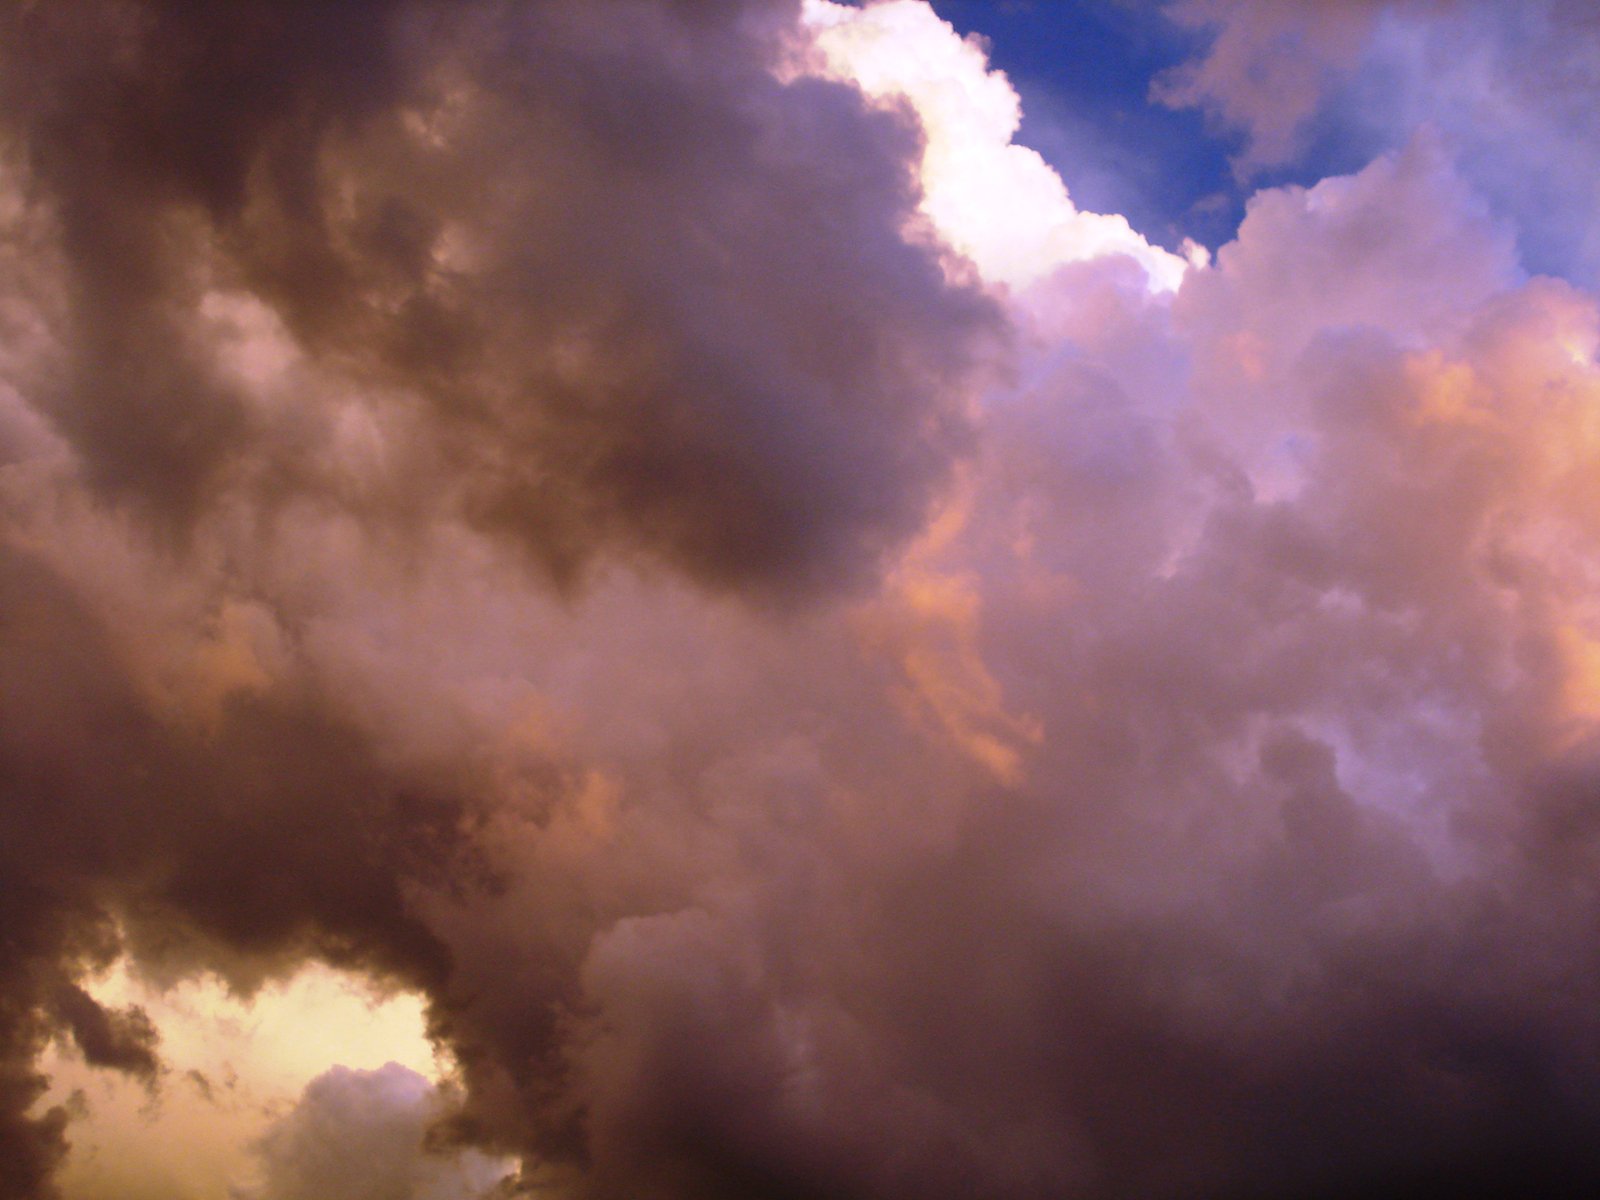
562, 509
1511, 86
362, 1135
679, 316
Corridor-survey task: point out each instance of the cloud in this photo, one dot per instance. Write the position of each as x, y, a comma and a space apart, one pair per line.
1269, 67
812, 713
571, 279
1217, 922
1509, 87
679, 317
211, 837
363, 1135
124, 1041
971, 169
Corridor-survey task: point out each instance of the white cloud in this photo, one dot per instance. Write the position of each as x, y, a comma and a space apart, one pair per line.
997, 202
363, 1135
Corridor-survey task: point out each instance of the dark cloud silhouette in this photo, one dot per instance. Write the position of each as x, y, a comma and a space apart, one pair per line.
125, 1041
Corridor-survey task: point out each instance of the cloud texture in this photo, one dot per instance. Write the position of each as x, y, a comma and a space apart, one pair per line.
363, 1135
1511, 86
679, 315
541, 505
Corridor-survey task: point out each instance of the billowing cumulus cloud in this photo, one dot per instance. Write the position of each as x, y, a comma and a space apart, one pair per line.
679, 315
971, 170
590, 513
1511, 86
363, 1135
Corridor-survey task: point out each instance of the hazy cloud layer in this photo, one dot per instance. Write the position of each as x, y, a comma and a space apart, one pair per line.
522, 502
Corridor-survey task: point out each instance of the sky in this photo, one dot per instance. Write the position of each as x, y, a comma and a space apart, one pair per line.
656, 600
1083, 72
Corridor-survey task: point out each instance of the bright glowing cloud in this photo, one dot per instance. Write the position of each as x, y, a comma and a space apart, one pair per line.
993, 200
229, 1065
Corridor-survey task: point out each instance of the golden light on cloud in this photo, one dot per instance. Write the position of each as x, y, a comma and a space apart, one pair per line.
231, 1066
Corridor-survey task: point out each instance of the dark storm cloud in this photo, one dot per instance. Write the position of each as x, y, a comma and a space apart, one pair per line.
624, 285
594, 276
270, 837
